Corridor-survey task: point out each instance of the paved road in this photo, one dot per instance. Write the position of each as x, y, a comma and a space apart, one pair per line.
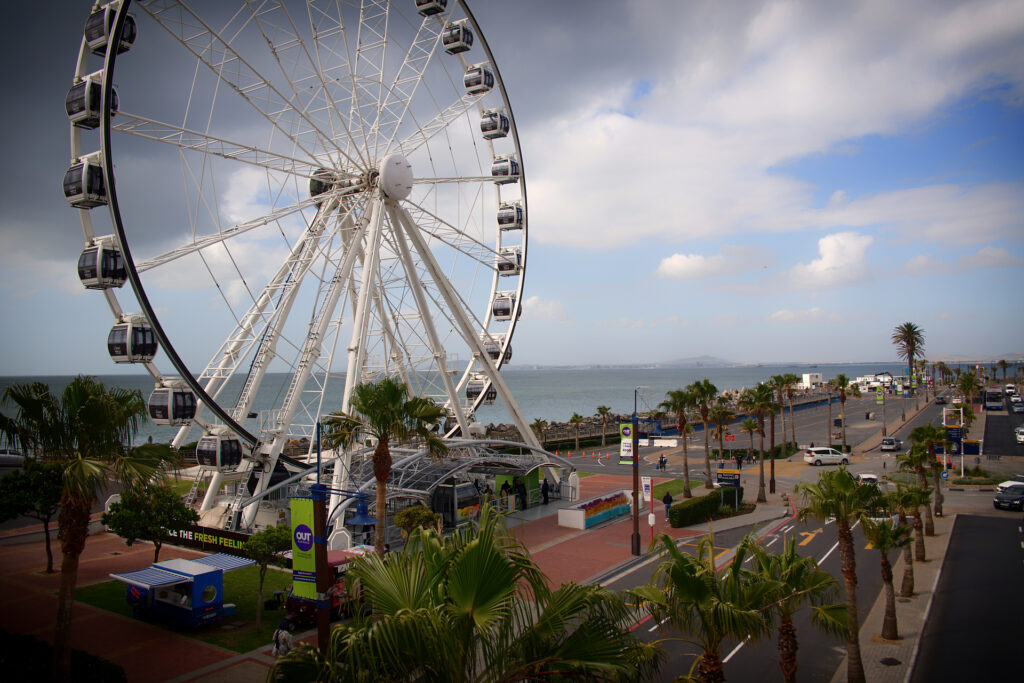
999, 436
973, 631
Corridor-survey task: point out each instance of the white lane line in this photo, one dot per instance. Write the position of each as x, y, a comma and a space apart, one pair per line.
787, 529
768, 544
657, 625
735, 650
830, 551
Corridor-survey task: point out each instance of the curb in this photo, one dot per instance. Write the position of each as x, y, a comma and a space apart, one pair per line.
928, 607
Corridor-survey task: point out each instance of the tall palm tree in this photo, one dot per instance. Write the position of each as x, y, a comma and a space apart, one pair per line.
916, 460
885, 538
386, 411
800, 584
779, 383
576, 420
704, 394
687, 593
759, 402
87, 431
539, 426
473, 606
969, 386
721, 415
909, 341
1003, 365
838, 496
603, 412
929, 437
791, 382
749, 426
904, 501
841, 383
679, 401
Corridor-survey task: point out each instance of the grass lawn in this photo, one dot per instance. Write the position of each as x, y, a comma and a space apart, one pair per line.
237, 633
675, 487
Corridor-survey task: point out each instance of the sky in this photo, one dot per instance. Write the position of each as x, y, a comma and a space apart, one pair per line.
754, 181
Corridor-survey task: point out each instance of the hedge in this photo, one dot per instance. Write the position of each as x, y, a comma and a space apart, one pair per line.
698, 510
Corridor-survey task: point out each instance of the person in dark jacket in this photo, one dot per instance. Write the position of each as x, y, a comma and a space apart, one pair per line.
667, 500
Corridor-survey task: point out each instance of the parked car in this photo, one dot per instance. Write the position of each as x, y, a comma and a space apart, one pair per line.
1017, 407
1019, 433
867, 478
825, 456
1015, 480
1011, 498
891, 443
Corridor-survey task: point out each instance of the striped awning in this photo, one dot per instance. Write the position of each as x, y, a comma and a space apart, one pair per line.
150, 578
224, 562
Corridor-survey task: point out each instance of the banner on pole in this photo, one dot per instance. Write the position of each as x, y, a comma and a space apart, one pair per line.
645, 484
626, 445
879, 397
303, 555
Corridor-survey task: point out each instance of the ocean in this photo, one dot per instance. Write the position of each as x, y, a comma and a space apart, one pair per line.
549, 393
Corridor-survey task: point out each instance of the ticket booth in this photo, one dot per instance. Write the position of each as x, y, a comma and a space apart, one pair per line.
185, 592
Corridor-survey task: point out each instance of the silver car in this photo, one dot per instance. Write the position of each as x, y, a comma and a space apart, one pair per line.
825, 456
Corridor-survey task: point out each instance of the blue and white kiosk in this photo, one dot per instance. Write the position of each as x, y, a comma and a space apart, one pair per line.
188, 592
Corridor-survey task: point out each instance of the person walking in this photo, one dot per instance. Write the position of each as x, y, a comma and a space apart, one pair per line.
545, 490
667, 500
283, 639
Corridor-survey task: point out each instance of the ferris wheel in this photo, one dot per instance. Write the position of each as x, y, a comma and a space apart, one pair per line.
304, 196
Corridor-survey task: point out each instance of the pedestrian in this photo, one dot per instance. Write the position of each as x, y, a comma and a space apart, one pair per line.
283, 639
545, 491
667, 500
520, 489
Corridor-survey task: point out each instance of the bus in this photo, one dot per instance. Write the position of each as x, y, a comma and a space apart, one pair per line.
993, 398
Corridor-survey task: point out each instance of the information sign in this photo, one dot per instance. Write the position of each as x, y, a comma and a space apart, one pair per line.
645, 484
626, 445
303, 555
728, 477
879, 396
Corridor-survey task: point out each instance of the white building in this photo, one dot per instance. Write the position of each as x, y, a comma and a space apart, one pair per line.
811, 380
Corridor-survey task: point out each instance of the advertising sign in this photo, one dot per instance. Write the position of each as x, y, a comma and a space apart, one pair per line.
626, 445
645, 484
955, 434
728, 477
303, 556
879, 396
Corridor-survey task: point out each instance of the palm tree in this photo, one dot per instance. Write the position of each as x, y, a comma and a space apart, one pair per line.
539, 426
1003, 365
704, 394
909, 341
800, 584
904, 501
603, 412
885, 538
929, 436
576, 420
969, 386
679, 401
781, 383
791, 382
473, 606
749, 426
721, 415
838, 496
87, 431
841, 383
687, 592
759, 402
915, 460
386, 411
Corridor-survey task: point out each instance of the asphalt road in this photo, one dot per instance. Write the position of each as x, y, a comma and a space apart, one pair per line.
999, 432
973, 631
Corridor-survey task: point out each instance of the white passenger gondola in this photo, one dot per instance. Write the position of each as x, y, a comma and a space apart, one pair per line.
99, 25
510, 216
429, 7
83, 182
219, 451
503, 306
505, 169
457, 37
509, 261
492, 347
479, 384
478, 79
132, 340
101, 266
82, 102
172, 404
494, 124
320, 183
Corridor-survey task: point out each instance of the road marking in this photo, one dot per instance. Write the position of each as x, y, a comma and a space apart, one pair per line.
735, 650
825, 556
769, 543
787, 529
658, 625
809, 536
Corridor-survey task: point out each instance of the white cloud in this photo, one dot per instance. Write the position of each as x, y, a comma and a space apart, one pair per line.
923, 264
990, 257
810, 315
842, 262
730, 260
536, 308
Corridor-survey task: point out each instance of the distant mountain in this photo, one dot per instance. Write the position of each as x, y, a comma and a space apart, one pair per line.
699, 362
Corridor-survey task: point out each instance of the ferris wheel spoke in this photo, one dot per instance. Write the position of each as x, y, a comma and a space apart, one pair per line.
217, 54
368, 74
452, 236
438, 123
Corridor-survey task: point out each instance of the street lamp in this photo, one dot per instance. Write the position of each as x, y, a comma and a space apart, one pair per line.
636, 474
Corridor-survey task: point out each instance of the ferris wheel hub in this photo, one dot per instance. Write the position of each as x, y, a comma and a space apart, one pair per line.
395, 176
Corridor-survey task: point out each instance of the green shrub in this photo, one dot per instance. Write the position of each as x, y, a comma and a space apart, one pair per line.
702, 508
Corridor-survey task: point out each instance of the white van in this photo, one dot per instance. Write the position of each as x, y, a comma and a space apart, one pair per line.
825, 456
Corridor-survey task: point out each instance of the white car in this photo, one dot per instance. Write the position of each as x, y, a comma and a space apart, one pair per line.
1017, 407
957, 400
867, 478
1019, 433
890, 443
1016, 398
1015, 480
1010, 390
825, 456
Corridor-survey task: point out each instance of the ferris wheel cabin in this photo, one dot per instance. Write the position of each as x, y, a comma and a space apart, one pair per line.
509, 261
494, 124
457, 37
83, 182
219, 452
172, 405
492, 347
431, 7
478, 79
132, 341
100, 266
82, 102
510, 216
503, 306
320, 183
479, 384
99, 26
505, 169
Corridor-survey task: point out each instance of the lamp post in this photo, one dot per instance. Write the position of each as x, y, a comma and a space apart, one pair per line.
636, 476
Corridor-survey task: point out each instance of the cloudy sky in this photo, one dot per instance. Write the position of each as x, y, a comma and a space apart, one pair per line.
756, 181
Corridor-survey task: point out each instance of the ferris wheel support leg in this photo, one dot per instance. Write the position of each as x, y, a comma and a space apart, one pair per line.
357, 346
428, 323
211, 491
466, 328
